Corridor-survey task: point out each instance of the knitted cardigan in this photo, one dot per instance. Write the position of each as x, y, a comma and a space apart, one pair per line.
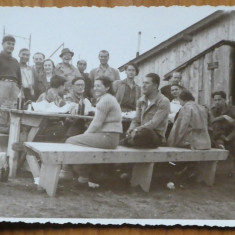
107, 116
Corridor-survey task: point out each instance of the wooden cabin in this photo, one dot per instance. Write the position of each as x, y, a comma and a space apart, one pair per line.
204, 53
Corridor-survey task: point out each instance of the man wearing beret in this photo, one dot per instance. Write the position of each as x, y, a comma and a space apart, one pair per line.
66, 69
10, 80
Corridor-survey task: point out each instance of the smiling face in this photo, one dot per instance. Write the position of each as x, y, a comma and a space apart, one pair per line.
175, 91
38, 59
103, 57
130, 71
24, 56
66, 57
48, 66
79, 86
8, 47
99, 88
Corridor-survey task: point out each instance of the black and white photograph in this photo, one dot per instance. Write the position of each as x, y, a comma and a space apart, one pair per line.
118, 115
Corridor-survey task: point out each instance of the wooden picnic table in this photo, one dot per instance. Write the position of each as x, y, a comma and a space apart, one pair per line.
34, 120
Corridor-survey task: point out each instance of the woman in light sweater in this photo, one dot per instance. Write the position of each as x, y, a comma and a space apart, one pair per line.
105, 128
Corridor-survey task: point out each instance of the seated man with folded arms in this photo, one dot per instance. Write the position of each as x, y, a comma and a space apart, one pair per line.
223, 123
148, 128
54, 130
55, 92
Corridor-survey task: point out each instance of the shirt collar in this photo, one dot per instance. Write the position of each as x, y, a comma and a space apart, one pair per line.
144, 98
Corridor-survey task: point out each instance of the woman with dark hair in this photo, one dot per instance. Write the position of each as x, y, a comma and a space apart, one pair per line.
190, 130
127, 91
43, 81
105, 128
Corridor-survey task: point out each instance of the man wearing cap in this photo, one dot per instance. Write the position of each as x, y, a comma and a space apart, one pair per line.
10, 80
82, 65
66, 69
26, 73
175, 79
104, 69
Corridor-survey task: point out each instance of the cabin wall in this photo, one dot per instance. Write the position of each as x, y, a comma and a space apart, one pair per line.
202, 82
181, 52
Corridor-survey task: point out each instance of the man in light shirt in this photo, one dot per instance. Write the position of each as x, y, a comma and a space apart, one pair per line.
26, 74
104, 69
175, 103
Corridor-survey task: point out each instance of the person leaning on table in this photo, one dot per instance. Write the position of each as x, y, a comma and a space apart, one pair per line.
105, 128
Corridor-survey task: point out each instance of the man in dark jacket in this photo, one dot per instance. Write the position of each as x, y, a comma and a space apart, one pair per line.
223, 118
10, 80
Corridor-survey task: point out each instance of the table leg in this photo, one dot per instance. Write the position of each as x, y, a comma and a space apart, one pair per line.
142, 175
207, 171
49, 176
14, 135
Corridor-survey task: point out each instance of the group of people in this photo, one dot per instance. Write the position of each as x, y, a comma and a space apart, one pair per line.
168, 116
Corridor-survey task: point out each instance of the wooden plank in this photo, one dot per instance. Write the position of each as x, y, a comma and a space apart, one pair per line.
207, 171
3, 142
142, 175
33, 165
49, 176
30, 120
14, 135
72, 154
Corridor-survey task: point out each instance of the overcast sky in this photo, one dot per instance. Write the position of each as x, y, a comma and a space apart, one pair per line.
86, 31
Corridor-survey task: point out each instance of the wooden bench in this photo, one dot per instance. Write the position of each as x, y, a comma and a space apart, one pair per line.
53, 155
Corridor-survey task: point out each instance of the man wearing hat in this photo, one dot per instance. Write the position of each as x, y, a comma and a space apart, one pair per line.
66, 69
10, 80
175, 79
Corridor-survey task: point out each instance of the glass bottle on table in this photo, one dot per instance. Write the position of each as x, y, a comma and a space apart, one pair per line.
20, 100
81, 107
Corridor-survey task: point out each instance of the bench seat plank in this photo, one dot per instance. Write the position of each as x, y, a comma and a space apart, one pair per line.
54, 153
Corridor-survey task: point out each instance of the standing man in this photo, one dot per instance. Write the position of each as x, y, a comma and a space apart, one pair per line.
10, 81
66, 69
82, 65
104, 69
26, 74
38, 59
175, 79
148, 128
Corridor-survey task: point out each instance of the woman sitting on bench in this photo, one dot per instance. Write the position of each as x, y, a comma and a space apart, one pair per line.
105, 128
190, 130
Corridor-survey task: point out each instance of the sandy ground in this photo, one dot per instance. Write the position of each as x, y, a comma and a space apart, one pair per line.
116, 199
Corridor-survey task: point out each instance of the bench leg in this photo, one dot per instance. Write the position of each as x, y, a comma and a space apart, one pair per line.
49, 176
142, 175
33, 165
207, 172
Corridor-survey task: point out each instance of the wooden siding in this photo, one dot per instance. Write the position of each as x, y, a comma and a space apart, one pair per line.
202, 82
180, 52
